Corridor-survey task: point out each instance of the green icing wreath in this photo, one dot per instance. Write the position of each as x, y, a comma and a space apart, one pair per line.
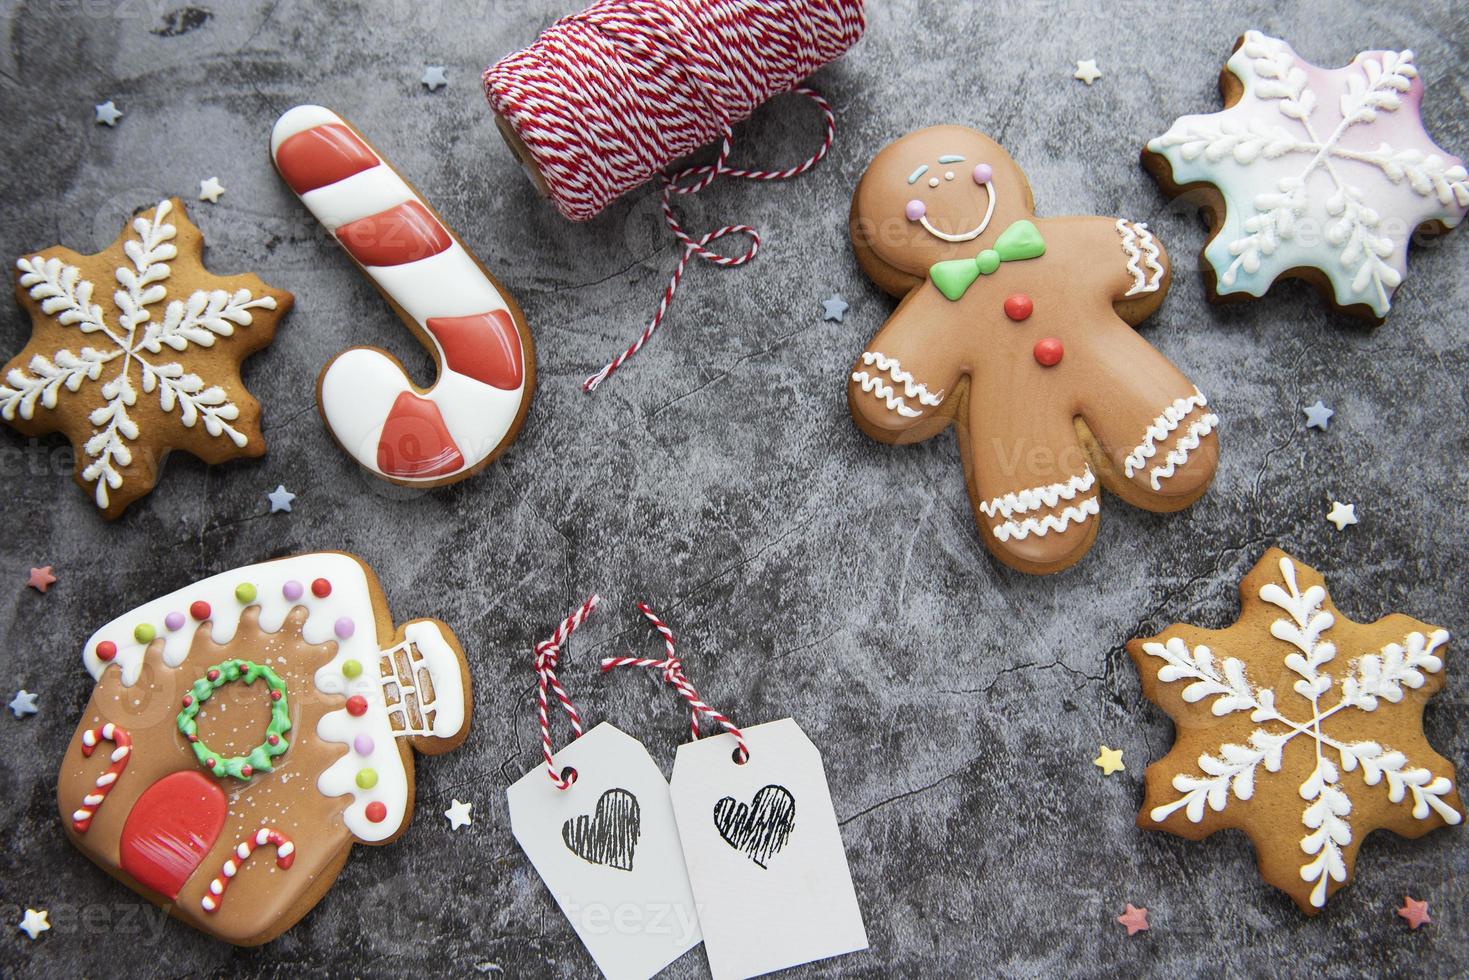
258, 758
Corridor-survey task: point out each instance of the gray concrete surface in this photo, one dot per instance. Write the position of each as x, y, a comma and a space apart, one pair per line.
807, 570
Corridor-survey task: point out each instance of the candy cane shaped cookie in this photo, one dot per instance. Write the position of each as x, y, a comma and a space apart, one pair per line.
285, 854
472, 327
122, 750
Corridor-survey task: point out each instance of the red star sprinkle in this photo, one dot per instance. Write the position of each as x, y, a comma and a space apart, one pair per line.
40, 578
1136, 919
1414, 911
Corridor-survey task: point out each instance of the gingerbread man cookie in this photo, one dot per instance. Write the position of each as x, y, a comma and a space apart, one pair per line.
1018, 330
272, 707
135, 351
1298, 726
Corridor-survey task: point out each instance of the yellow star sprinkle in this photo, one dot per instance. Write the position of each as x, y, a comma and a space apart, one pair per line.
1109, 761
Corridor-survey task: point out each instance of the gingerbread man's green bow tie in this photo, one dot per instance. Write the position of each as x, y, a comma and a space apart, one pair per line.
1022, 240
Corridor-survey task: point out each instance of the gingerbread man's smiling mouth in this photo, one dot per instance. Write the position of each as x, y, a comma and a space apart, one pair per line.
917, 211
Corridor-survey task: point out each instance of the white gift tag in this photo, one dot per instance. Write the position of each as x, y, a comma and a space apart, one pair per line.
764, 852
608, 849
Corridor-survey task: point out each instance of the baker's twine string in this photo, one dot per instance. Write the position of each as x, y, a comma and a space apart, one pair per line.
698, 247
547, 657
673, 674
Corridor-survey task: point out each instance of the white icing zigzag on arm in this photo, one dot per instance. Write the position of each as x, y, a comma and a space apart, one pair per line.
1139, 244
1178, 455
1051, 522
1159, 430
877, 387
1038, 497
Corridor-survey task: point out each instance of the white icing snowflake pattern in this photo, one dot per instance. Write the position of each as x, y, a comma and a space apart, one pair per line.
136, 339
1322, 168
1233, 768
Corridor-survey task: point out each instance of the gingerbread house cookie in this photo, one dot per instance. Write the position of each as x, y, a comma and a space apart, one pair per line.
271, 707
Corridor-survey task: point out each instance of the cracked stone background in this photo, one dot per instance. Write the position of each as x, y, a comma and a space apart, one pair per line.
807, 570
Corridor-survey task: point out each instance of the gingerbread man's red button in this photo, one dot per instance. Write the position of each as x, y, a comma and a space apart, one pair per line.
1048, 352
1019, 307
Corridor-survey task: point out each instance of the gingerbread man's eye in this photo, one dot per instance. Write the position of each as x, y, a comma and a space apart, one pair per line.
983, 173
915, 209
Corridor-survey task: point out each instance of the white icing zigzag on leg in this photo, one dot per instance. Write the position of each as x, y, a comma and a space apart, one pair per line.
1159, 430
894, 370
1139, 244
1038, 497
1186, 444
1051, 522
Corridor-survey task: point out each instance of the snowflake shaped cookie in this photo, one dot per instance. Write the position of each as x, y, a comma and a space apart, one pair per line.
153, 367
1298, 726
1325, 174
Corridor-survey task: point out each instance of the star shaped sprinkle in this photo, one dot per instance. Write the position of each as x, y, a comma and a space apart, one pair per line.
1342, 514
434, 78
1414, 911
1299, 727
1109, 761
458, 815
280, 499
107, 113
1317, 416
34, 923
24, 703
1326, 172
41, 578
135, 351
1135, 919
833, 308
210, 189
1087, 71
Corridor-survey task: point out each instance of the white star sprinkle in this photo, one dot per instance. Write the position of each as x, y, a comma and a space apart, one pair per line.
1342, 514
458, 815
280, 499
1087, 71
34, 923
108, 113
832, 309
1317, 415
209, 190
24, 703
434, 78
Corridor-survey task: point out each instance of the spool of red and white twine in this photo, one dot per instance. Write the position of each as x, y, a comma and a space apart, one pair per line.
607, 98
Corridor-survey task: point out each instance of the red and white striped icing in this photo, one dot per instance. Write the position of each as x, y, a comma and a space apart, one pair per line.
369, 404
81, 818
285, 856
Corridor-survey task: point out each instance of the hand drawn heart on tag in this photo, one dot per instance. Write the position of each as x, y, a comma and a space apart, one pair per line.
610, 834
759, 828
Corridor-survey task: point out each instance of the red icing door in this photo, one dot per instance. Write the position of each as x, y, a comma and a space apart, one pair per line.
170, 830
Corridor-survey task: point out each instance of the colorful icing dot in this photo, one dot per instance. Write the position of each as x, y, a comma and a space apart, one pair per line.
1048, 352
345, 628
363, 744
106, 650
144, 632
199, 609
321, 588
351, 668
357, 706
245, 592
292, 590
367, 778
983, 173
173, 621
1019, 307
915, 209
376, 812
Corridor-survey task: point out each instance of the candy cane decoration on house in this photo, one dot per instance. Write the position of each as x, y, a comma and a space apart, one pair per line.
285, 854
472, 327
122, 750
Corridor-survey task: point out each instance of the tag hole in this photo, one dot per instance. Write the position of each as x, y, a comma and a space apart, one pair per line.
568, 775
738, 757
